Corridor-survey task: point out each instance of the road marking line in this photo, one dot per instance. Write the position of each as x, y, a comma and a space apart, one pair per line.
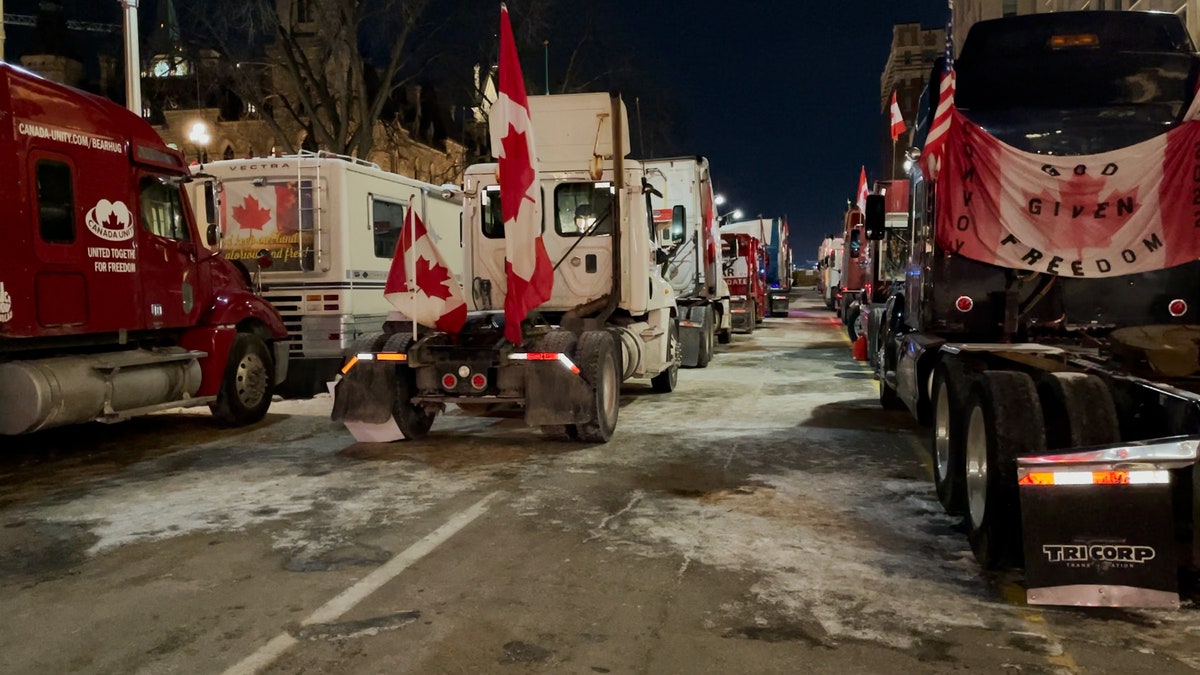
347, 599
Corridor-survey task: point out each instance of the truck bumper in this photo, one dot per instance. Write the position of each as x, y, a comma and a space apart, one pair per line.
1099, 526
778, 303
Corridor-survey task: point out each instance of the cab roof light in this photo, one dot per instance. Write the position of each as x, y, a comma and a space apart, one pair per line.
1080, 40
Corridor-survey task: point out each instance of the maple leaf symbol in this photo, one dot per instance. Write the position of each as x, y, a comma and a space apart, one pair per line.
1070, 215
432, 279
251, 215
516, 173
112, 223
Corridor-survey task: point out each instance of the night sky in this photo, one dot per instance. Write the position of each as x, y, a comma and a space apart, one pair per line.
782, 96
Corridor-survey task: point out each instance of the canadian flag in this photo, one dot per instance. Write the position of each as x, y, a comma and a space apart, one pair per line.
419, 283
861, 195
710, 225
897, 119
530, 274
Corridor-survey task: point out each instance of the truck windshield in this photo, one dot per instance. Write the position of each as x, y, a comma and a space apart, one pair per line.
1076, 82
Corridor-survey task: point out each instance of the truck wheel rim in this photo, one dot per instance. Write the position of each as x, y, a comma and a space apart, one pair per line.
251, 380
941, 433
611, 386
977, 467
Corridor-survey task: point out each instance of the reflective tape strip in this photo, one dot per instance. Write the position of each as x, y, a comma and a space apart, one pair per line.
1132, 477
689, 324
546, 356
368, 356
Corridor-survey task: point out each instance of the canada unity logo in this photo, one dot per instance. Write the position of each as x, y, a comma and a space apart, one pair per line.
111, 221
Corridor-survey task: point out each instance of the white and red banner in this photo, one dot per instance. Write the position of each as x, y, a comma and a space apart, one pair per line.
1120, 212
897, 119
420, 284
530, 274
860, 196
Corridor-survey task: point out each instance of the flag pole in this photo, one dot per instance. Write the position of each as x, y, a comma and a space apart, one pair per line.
410, 277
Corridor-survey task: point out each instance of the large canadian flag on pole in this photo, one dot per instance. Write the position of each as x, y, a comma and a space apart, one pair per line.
530, 274
420, 284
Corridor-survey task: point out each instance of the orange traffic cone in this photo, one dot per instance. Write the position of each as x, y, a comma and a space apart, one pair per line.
860, 348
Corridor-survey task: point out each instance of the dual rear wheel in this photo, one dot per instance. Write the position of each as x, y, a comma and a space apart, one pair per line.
984, 421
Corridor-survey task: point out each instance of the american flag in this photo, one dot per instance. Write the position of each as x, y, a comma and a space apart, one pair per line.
935, 142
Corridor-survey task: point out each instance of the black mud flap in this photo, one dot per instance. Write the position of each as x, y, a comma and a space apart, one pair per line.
556, 395
691, 334
1099, 545
366, 393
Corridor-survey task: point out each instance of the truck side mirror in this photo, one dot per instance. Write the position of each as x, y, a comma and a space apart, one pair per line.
678, 223
874, 217
212, 235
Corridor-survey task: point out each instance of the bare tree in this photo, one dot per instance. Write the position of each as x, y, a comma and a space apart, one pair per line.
325, 70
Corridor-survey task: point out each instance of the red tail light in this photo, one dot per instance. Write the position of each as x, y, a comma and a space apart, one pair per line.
478, 381
964, 304
449, 381
1177, 307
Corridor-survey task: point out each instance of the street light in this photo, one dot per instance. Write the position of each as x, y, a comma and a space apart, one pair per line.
199, 137
734, 214
719, 200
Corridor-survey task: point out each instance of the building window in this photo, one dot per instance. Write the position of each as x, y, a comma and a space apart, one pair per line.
305, 12
56, 202
1009, 8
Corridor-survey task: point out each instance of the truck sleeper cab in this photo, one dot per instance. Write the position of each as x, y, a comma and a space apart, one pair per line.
1058, 416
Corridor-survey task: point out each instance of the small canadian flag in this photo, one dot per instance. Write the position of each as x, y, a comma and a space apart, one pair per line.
897, 119
420, 284
860, 196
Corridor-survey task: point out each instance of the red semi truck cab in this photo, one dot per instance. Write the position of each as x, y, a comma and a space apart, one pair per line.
744, 260
111, 304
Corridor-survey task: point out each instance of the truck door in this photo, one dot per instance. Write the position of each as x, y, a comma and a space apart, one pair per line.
167, 255
582, 221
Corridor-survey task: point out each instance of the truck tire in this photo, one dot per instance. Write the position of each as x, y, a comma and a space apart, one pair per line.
563, 342
1078, 409
414, 421
706, 340
1004, 422
853, 329
950, 388
599, 365
664, 382
725, 336
245, 392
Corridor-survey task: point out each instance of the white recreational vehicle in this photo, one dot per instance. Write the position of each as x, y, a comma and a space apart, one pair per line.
330, 226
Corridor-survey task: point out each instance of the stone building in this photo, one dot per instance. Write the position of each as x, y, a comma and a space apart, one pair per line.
910, 62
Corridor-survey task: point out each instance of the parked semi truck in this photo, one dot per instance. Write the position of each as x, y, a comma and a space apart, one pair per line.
693, 265
1047, 327
829, 268
887, 256
744, 263
110, 304
611, 315
773, 234
330, 226
856, 261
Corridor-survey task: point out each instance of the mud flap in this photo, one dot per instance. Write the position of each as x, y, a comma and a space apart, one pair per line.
365, 393
555, 395
741, 316
1099, 545
691, 334
363, 432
